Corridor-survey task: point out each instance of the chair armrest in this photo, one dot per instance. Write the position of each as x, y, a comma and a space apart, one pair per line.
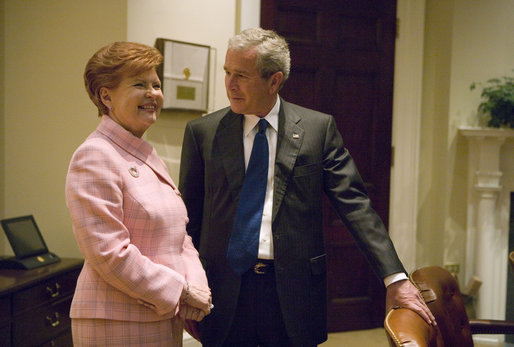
406, 328
491, 326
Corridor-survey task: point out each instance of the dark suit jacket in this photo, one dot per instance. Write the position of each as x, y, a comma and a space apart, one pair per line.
310, 159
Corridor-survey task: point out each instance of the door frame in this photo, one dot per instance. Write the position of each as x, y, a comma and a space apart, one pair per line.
407, 96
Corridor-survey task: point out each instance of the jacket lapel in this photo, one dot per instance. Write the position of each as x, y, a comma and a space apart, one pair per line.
155, 163
228, 147
136, 147
290, 138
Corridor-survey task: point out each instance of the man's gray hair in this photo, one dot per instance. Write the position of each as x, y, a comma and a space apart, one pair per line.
272, 50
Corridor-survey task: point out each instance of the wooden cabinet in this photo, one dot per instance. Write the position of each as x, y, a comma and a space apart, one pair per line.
35, 304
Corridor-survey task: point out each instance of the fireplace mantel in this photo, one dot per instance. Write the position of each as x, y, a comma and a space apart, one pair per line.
489, 180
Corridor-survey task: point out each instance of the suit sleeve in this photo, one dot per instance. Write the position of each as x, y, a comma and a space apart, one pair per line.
191, 183
347, 193
95, 200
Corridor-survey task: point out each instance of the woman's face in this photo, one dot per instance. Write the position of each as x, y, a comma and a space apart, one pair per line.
136, 103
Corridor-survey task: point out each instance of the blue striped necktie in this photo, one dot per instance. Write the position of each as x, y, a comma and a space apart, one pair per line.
244, 240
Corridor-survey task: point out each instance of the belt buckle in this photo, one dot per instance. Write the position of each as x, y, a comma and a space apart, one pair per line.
260, 268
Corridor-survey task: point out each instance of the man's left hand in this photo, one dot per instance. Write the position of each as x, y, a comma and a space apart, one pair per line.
404, 294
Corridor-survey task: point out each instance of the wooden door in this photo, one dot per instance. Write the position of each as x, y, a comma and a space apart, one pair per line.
342, 55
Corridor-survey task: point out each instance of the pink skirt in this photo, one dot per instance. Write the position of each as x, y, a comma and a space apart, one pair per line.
105, 332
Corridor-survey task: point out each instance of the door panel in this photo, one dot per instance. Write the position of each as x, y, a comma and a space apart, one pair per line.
342, 63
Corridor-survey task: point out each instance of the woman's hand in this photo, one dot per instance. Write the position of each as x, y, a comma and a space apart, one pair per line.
197, 297
188, 312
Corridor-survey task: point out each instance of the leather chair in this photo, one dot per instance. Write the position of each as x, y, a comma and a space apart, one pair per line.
442, 295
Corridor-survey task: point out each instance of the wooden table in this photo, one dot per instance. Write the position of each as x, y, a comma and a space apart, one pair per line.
35, 304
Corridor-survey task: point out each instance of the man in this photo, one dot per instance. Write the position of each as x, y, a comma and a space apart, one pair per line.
278, 297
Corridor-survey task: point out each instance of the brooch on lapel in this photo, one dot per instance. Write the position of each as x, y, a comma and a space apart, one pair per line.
296, 136
133, 171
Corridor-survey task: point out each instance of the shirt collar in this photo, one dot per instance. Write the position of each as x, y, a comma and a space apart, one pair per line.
251, 120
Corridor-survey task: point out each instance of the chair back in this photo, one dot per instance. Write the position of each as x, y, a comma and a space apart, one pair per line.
442, 295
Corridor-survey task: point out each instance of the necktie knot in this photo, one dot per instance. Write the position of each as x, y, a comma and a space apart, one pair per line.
263, 125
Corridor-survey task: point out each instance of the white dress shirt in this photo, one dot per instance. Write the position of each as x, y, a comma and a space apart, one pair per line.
249, 131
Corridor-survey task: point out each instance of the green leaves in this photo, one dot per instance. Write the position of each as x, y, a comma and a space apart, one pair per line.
498, 101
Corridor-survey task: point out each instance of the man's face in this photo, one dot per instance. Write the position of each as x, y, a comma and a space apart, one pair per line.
247, 91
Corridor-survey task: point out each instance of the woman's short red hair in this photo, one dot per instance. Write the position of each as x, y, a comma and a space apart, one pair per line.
108, 66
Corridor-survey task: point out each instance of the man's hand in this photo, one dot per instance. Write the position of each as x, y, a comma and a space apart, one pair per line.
404, 294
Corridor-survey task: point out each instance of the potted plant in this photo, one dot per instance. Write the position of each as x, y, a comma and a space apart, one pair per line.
497, 101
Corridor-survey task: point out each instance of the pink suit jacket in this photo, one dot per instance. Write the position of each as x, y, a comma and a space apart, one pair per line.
130, 225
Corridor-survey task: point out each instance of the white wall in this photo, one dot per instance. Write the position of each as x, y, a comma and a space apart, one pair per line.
47, 112
482, 48
465, 41
203, 22
198, 21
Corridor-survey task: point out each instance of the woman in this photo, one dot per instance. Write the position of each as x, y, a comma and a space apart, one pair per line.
141, 272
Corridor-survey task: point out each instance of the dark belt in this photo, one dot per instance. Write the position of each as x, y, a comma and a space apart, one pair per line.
263, 267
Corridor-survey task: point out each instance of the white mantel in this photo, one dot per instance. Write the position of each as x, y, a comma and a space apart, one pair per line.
490, 172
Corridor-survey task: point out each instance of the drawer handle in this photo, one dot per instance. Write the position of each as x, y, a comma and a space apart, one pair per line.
53, 292
53, 321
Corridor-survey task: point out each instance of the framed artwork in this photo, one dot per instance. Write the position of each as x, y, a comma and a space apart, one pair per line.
184, 74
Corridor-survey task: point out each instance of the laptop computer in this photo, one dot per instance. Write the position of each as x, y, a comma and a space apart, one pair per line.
27, 243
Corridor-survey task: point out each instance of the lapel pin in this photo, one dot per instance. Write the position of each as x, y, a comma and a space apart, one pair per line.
296, 136
133, 171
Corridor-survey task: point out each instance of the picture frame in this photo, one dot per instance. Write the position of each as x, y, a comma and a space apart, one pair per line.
184, 74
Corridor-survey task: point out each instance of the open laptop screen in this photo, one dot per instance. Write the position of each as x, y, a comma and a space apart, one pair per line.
24, 236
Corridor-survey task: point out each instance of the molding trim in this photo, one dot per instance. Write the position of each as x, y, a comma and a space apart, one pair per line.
403, 210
